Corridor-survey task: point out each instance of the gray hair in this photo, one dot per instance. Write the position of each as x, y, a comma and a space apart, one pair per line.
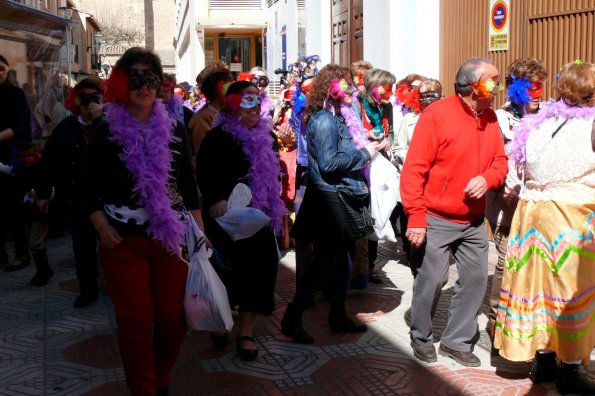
257, 69
470, 71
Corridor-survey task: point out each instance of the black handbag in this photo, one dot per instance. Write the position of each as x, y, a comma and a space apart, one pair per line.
356, 211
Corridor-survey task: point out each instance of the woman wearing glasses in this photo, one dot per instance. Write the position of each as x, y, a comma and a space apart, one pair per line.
136, 178
241, 149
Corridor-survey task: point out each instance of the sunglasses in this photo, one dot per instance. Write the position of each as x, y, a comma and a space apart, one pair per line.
140, 78
86, 99
427, 98
250, 101
260, 81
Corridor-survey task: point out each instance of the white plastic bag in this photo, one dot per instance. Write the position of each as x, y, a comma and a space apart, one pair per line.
384, 194
205, 301
241, 221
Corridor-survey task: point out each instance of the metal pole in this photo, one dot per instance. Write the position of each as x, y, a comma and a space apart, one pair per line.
68, 63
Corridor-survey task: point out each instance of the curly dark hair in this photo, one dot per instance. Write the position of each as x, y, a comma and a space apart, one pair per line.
320, 86
140, 55
531, 68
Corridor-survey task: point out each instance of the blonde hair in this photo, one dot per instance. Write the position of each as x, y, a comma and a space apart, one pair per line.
376, 77
360, 66
576, 84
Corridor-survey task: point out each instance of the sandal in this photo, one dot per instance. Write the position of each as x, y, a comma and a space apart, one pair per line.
246, 355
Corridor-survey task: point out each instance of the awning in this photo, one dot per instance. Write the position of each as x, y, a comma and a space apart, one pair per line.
15, 16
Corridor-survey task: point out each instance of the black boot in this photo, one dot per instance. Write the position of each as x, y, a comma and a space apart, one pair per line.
44, 272
545, 367
339, 321
573, 380
291, 325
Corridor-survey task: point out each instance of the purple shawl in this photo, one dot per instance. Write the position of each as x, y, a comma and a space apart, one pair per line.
264, 172
146, 153
530, 122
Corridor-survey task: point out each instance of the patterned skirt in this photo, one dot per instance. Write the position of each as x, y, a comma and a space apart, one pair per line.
547, 299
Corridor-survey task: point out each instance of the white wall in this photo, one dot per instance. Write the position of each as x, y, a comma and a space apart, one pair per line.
403, 36
318, 29
281, 13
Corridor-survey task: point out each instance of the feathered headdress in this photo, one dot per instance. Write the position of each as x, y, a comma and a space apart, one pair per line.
244, 76
217, 66
408, 97
518, 90
305, 67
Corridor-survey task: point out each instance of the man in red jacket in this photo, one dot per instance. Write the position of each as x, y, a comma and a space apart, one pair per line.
456, 156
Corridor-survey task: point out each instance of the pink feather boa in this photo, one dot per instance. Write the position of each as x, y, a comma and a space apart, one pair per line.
546, 111
354, 125
264, 173
146, 153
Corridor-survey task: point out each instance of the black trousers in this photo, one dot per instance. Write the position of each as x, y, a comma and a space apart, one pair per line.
332, 248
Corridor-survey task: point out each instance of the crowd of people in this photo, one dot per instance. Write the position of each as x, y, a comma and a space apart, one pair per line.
139, 152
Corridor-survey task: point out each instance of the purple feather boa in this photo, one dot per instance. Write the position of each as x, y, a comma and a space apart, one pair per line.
546, 111
175, 108
266, 106
264, 172
146, 153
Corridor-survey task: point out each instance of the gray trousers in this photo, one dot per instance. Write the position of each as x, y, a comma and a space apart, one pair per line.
469, 246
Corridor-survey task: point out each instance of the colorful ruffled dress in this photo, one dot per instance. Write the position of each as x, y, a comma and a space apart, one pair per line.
547, 299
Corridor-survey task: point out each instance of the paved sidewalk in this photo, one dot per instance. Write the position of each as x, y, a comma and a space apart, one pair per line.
49, 348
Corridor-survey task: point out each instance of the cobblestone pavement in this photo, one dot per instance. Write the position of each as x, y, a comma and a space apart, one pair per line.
49, 348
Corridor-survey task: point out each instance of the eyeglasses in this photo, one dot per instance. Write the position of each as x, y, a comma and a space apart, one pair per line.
140, 78
250, 101
260, 81
86, 99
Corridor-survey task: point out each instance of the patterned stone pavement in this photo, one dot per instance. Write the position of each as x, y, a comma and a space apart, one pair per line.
49, 348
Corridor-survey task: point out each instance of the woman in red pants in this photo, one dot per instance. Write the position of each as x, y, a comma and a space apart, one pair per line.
136, 179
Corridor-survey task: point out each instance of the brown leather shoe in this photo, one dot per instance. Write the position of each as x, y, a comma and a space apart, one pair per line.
467, 359
424, 353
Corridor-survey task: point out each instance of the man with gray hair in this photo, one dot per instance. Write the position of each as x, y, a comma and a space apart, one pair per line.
456, 156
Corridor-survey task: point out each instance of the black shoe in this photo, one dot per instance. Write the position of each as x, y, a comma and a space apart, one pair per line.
424, 353
42, 278
572, 379
291, 326
220, 341
84, 300
246, 355
339, 321
544, 367
15, 267
467, 359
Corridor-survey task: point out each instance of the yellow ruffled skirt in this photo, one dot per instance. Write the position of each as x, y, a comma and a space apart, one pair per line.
547, 299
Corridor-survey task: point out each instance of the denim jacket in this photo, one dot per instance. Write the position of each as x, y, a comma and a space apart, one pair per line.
333, 160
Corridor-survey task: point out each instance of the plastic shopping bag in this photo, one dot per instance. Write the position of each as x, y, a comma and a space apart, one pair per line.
241, 221
205, 301
384, 194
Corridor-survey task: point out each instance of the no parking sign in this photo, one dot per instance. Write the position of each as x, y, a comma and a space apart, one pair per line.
499, 16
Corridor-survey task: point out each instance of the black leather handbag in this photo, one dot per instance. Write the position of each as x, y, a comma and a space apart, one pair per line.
356, 209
